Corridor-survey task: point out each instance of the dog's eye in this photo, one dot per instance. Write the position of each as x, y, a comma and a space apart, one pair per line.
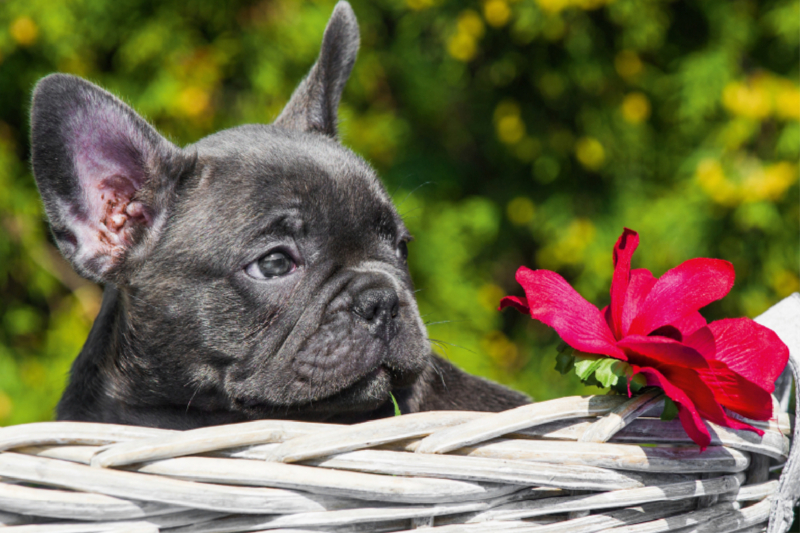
271, 266
402, 250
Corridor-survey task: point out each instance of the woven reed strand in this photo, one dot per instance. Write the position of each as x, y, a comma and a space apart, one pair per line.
540, 468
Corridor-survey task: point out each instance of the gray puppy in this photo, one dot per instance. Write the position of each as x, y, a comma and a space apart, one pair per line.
259, 273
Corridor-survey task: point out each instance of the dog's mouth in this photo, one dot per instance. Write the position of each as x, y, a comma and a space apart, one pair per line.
367, 394
334, 360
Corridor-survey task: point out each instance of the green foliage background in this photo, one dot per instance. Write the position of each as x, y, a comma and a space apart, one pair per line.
509, 133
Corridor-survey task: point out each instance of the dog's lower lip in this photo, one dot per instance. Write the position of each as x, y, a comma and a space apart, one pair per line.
377, 372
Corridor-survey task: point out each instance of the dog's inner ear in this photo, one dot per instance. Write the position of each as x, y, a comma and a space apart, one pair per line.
103, 172
314, 103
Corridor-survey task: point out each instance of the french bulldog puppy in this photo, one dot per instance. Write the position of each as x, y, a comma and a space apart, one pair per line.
258, 273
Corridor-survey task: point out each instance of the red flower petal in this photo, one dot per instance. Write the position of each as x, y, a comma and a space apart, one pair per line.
638, 288
701, 393
554, 302
623, 252
702, 340
660, 350
681, 291
606, 312
688, 413
737, 393
690, 323
750, 350
520, 304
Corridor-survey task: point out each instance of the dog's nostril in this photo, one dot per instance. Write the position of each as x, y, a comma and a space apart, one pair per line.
372, 303
378, 307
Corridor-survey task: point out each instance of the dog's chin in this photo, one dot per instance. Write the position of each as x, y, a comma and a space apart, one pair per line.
355, 402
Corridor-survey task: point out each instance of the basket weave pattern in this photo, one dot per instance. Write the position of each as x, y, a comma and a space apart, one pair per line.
540, 468
572, 465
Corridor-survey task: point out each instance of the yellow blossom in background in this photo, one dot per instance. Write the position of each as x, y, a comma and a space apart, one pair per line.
590, 153
510, 129
553, 6
500, 349
496, 12
635, 108
712, 180
787, 100
570, 248
751, 100
470, 23
784, 282
520, 210
489, 296
463, 45
24, 31
506, 108
508, 123
193, 101
761, 96
770, 182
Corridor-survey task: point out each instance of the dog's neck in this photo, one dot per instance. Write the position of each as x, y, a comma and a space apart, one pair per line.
92, 393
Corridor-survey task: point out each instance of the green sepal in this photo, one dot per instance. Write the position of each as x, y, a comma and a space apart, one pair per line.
397, 411
638, 382
670, 410
611, 372
591, 380
586, 364
565, 361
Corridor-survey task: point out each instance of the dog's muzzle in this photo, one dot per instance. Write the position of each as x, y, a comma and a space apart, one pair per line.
377, 309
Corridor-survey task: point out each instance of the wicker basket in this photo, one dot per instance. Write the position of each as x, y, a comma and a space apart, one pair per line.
571, 465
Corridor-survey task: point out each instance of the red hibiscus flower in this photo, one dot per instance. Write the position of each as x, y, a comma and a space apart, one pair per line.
655, 326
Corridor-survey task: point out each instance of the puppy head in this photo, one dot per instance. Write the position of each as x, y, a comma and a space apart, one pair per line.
261, 271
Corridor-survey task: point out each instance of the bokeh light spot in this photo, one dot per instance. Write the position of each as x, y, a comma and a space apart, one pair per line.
785, 282
462, 47
520, 211
496, 13
24, 31
193, 101
590, 153
470, 23
747, 100
635, 108
510, 129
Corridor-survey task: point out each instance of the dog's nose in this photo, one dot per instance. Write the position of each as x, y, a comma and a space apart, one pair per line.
378, 307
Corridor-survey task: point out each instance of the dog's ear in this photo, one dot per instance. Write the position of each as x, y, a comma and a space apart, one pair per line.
314, 103
105, 175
